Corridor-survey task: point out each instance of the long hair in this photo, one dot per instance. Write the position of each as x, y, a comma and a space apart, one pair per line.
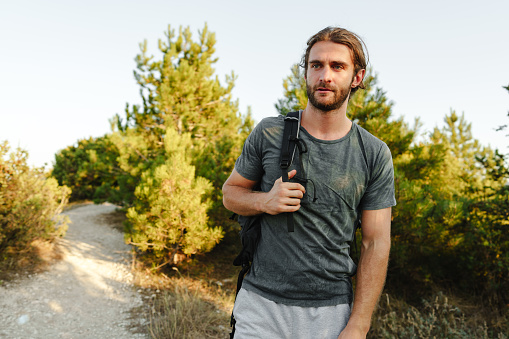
345, 37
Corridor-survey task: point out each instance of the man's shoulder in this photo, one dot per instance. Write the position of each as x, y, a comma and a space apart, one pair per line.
271, 121
269, 127
369, 140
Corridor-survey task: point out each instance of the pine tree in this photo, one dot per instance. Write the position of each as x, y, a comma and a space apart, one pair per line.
465, 152
295, 94
170, 213
179, 146
179, 91
371, 109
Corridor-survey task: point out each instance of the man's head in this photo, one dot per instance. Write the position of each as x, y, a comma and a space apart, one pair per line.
344, 37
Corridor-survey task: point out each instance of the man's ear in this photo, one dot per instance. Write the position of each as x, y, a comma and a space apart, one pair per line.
357, 79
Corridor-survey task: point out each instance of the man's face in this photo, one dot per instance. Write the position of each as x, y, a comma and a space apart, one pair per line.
330, 75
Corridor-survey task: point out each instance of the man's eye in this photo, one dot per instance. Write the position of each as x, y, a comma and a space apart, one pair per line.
315, 66
338, 67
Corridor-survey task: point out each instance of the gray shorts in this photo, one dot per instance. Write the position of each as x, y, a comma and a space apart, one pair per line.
258, 317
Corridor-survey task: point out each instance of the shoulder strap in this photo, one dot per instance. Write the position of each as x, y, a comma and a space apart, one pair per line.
361, 144
290, 133
358, 221
290, 136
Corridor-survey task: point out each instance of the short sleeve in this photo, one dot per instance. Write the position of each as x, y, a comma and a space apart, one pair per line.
249, 163
380, 191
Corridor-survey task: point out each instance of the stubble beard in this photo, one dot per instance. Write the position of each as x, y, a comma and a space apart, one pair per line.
339, 98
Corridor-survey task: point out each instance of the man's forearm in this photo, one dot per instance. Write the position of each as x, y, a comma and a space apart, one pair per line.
370, 281
242, 201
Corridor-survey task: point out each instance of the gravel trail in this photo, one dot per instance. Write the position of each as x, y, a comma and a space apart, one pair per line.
87, 294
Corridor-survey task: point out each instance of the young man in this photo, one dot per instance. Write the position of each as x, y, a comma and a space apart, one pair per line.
299, 285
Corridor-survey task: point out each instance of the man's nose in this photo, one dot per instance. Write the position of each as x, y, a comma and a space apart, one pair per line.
326, 74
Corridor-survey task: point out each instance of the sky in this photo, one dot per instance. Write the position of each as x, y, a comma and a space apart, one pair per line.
66, 67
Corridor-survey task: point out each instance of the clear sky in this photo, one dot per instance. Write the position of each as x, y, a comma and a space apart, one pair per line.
66, 67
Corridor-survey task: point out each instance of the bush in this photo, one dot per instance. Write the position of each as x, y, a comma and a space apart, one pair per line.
91, 170
169, 216
30, 204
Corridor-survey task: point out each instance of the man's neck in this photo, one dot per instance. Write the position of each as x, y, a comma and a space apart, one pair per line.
330, 125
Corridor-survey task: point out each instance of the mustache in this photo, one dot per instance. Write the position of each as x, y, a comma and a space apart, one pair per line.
324, 85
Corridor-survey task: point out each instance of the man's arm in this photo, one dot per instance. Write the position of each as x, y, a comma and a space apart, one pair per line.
371, 272
239, 197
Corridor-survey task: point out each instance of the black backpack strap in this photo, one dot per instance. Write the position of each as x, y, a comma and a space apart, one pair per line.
358, 221
290, 137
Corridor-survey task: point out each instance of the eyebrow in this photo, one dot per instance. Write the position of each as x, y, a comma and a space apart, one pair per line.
341, 63
314, 62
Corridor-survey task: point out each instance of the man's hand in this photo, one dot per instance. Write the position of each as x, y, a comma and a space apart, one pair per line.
284, 196
351, 333
239, 197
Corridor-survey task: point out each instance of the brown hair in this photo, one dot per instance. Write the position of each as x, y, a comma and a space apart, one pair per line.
345, 37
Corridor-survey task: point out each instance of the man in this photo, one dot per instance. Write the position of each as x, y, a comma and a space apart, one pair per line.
299, 285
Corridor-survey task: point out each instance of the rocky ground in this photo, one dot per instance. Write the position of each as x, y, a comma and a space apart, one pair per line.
89, 293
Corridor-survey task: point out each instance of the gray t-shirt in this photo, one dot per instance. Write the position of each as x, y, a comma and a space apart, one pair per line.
311, 267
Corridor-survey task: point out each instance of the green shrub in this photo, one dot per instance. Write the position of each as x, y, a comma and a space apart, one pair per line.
170, 213
30, 204
91, 170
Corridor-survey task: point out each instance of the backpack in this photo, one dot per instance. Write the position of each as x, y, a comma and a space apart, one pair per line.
250, 231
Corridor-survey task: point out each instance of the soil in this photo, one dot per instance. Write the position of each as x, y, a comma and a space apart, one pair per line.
89, 293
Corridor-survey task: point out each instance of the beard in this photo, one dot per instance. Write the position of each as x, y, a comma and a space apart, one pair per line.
327, 105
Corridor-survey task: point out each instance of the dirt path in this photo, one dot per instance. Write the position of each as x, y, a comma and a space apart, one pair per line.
88, 294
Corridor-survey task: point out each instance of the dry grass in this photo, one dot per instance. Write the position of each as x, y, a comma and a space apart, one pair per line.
436, 317
37, 257
181, 306
184, 313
